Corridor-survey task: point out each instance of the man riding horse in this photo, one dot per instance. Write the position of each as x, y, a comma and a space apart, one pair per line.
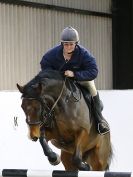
76, 62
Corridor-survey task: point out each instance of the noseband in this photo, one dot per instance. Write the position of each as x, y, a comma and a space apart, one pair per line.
46, 111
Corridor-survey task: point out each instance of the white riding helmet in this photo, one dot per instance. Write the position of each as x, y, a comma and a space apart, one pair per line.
69, 34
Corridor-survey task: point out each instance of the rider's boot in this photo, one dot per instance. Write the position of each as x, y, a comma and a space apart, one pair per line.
102, 125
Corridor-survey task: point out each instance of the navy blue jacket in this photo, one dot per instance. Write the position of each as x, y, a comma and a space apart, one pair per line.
82, 63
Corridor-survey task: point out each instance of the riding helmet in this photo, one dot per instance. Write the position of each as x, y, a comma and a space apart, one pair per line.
69, 34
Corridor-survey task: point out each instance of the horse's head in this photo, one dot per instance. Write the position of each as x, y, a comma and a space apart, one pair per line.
32, 107
38, 97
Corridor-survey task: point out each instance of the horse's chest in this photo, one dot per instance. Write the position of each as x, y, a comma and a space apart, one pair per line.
66, 129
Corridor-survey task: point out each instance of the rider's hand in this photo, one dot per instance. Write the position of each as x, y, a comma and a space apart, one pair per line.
69, 73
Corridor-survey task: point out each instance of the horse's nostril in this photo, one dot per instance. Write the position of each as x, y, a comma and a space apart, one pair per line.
34, 139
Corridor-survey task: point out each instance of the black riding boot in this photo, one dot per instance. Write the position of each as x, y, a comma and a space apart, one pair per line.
102, 125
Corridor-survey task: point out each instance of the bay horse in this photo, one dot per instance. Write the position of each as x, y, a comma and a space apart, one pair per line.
52, 114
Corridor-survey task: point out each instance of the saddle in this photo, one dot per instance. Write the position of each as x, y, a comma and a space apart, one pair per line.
75, 92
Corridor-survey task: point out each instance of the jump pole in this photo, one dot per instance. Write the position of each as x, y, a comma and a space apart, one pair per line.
59, 173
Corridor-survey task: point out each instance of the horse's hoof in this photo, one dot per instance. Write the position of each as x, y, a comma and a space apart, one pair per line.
84, 167
54, 159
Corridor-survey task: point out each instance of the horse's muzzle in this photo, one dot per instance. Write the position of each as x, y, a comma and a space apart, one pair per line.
34, 139
34, 132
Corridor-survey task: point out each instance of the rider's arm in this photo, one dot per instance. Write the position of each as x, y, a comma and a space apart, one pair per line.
88, 69
45, 63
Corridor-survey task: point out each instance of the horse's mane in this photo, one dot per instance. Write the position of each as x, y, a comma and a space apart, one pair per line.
39, 78
50, 74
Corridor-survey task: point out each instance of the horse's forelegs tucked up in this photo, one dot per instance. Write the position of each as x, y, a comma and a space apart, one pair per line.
80, 145
52, 156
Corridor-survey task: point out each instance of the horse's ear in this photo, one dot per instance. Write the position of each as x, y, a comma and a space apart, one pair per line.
20, 88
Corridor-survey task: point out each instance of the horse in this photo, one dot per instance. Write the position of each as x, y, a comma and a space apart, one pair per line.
54, 113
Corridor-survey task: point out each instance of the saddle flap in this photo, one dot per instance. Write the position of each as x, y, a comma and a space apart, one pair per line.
76, 89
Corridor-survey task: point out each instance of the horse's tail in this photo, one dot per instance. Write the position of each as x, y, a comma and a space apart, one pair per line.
109, 158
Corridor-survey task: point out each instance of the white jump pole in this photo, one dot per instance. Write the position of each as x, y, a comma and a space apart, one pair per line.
59, 173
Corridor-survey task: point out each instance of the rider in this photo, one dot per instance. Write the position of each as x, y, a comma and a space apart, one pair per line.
78, 63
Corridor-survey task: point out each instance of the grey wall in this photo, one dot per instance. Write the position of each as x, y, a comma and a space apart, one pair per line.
27, 32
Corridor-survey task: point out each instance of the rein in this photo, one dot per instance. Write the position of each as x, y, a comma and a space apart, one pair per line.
58, 96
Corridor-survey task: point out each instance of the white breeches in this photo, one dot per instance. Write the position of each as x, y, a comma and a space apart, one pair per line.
90, 85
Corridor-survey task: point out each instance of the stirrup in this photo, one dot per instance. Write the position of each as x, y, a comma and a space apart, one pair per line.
107, 126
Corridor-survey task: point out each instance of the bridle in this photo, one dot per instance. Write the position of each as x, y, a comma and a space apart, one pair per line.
46, 111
